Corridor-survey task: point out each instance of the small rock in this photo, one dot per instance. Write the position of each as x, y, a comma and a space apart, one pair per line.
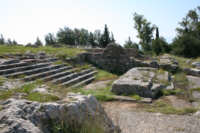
196, 64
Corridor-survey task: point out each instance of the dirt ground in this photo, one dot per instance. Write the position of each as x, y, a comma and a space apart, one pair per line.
130, 120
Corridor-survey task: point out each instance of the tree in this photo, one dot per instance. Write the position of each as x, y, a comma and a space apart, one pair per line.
112, 38
157, 33
14, 42
145, 31
97, 37
92, 40
187, 41
38, 42
160, 45
50, 39
66, 36
130, 44
2, 40
105, 38
9, 42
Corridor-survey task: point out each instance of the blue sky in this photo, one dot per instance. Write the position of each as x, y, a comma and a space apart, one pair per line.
24, 20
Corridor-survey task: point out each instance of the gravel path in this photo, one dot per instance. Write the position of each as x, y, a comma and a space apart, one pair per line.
132, 121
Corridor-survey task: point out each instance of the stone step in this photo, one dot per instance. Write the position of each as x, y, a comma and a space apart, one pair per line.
23, 68
11, 61
34, 71
70, 76
25, 63
78, 79
14, 65
46, 72
58, 75
52, 71
84, 82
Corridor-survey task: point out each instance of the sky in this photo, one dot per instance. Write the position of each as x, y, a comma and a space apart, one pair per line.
25, 20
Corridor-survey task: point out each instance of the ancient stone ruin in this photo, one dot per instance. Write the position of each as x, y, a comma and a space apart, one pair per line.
22, 116
143, 81
30, 67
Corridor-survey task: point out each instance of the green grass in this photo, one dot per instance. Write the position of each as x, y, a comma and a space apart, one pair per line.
77, 127
182, 61
2, 80
136, 97
172, 92
103, 94
27, 89
82, 67
195, 89
166, 108
6, 94
1, 108
104, 75
35, 96
61, 52
180, 80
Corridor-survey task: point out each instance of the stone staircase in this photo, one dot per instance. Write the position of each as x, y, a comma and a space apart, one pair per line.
45, 69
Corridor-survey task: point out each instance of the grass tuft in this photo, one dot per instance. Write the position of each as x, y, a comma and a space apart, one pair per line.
104, 75
35, 96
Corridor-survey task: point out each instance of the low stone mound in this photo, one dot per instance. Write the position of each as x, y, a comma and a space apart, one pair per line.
143, 81
74, 114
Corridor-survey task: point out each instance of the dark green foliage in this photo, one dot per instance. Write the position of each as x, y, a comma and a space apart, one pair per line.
130, 44
105, 38
159, 45
145, 32
187, 46
66, 36
14, 42
92, 40
9, 42
38, 42
157, 33
187, 42
83, 37
2, 40
50, 39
